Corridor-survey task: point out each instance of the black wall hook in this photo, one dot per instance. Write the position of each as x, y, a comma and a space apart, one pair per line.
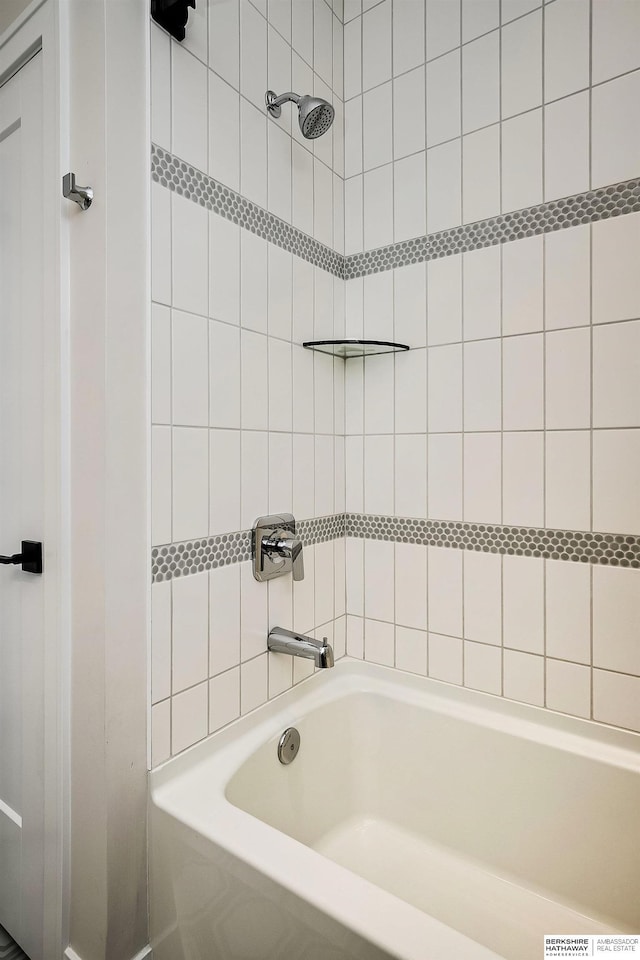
172, 15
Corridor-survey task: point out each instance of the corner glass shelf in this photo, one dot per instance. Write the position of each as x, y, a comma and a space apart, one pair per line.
354, 348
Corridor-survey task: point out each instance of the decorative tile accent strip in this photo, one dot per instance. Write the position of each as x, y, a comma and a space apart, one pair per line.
195, 556
612, 201
610, 549
176, 175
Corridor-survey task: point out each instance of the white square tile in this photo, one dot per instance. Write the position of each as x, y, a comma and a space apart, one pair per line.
409, 113
254, 485
444, 380
522, 161
378, 579
280, 669
253, 153
224, 132
615, 142
224, 481
482, 293
411, 585
379, 642
160, 87
338, 58
355, 637
302, 29
568, 480
444, 300
411, 650
566, 146
160, 364
160, 641
482, 385
324, 503
303, 276
338, 208
566, 66
408, 36
160, 732
190, 135
190, 247
481, 82
354, 396
517, 8
254, 618
409, 198
279, 168
522, 64
568, 614
523, 591
224, 347
352, 58
323, 393
353, 139
353, 215
323, 40
279, 14
224, 699
190, 369
523, 479
224, 623
567, 277
302, 163
523, 677
569, 688
616, 38
479, 16
378, 207
522, 382
253, 353
378, 475
444, 200
411, 392
445, 658
616, 279
444, 497
410, 305
280, 380
522, 285
302, 390
355, 577
224, 41
189, 717
253, 684
482, 668
322, 304
254, 273
161, 485
190, 482
377, 126
443, 99
160, 244
224, 269
445, 591
378, 307
482, 478
378, 395
280, 283
411, 476
616, 619
616, 699
616, 375
253, 54
324, 582
322, 202
568, 379
481, 174
443, 27
303, 475
483, 597
376, 45
190, 660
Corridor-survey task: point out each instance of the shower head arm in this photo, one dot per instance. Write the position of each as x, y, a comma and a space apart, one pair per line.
274, 103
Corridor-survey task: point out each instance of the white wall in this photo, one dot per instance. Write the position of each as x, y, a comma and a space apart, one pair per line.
10, 11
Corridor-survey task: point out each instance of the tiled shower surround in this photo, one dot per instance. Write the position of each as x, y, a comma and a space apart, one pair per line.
471, 508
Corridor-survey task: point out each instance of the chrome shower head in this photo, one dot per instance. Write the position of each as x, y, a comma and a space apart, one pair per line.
315, 115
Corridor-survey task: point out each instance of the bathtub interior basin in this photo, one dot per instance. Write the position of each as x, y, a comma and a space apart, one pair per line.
474, 826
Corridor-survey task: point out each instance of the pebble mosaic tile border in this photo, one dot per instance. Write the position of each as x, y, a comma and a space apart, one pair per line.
610, 549
194, 556
187, 181
612, 201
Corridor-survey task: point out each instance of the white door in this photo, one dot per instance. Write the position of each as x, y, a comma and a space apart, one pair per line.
22, 507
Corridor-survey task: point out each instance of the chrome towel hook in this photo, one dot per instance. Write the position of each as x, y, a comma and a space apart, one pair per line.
83, 196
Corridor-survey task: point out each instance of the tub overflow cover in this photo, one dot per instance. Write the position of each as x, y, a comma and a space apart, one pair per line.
288, 745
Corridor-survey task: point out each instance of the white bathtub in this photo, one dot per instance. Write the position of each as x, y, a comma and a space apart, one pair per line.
418, 821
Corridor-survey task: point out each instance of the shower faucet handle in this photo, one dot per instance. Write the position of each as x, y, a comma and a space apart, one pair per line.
276, 548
